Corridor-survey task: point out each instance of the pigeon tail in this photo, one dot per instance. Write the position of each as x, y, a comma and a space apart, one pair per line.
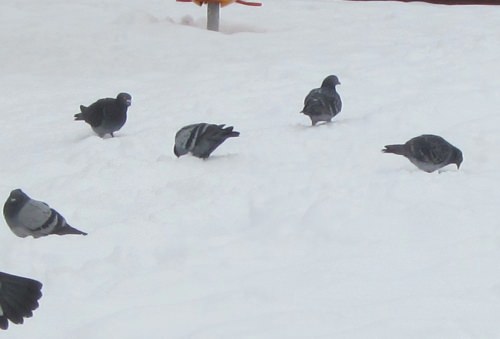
67, 229
80, 116
233, 134
395, 149
230, 132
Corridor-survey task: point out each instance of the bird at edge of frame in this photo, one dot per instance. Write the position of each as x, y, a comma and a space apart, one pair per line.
18, 298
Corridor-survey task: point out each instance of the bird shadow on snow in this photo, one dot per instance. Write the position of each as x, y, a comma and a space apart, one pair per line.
414, 171
144, 18
213, 157
308, 126
331, 124
225, 27
221, 156
93, 136
83, 137
217, 157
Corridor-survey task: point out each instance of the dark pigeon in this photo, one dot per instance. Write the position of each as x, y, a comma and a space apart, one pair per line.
322, 104
18, 298
26, 217
106, 116
201, 139
428, 152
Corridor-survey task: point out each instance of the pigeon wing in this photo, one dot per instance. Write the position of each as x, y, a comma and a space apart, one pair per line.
429, 149
337, 102
34, 214
313, 96
94, 114
213, 136
439, 152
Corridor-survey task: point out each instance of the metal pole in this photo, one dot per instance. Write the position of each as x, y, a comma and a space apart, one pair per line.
213, 16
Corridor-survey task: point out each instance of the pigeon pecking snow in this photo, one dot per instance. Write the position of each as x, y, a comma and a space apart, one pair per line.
428, 152
201, 139
18, 298
106, 116
322, 104
26, 216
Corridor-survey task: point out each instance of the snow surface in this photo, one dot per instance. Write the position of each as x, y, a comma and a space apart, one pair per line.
288, 231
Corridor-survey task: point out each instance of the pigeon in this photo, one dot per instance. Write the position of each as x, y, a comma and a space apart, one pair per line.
201, 139
322, 104
428, 152
106, 116
26, 216
18, 298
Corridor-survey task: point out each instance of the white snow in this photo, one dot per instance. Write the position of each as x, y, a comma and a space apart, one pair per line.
288, 231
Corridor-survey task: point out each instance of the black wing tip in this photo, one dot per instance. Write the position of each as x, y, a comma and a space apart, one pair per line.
69, 230
19, 299
230, 131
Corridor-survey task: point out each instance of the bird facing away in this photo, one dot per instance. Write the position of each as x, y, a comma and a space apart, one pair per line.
428, 152
322, 104
106, 116
201, 139
26, 216
18, 298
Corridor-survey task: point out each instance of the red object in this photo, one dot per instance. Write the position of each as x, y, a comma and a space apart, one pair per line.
448, 2
248, 3
223, 2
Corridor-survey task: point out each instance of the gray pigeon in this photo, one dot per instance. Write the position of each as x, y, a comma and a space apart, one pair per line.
322, 104
428, 152
18, 298
26, 216
106, 116
201, 139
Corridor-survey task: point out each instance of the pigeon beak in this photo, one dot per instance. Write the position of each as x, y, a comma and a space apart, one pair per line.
129, 102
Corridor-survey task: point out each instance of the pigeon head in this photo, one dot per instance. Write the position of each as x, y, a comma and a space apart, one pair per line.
125, 99
330, 82
179, 151
15, 202
458, 158
17, 196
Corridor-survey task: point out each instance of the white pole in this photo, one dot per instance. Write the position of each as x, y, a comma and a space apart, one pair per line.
213, 16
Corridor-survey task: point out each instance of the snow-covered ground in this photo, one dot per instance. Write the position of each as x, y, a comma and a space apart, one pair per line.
288, 231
